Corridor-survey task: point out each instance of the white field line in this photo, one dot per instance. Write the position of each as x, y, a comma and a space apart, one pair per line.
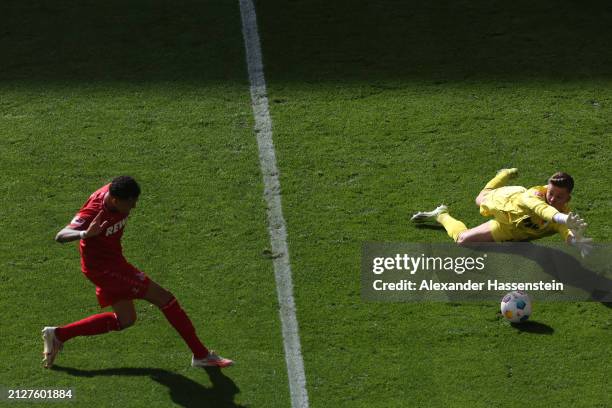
272, 195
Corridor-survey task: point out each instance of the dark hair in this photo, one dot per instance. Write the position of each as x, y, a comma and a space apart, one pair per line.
124, 187
561, 179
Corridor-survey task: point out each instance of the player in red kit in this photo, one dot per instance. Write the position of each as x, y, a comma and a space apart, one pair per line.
99, 226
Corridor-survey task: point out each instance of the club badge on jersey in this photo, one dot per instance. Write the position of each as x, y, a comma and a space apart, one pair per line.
77, 221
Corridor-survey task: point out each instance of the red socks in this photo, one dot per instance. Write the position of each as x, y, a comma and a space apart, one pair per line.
90, 326
180, 321
105, 322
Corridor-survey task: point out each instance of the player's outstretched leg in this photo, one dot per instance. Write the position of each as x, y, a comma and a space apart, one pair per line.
177, 317
455, 228
481, 233
440, 214
55, 337
500, 180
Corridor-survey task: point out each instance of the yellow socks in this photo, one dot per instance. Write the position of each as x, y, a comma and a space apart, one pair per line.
453, 227
501, 178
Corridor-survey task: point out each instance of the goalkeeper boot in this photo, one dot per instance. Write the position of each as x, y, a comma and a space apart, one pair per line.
508, 174
423, 216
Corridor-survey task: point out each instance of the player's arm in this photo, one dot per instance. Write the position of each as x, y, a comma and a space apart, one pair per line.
70, 233
538, 205
549, 213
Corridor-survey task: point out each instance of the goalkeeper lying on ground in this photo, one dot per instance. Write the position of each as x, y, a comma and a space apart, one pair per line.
519, 214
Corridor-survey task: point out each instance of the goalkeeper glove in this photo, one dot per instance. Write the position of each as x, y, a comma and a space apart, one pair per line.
575, 223
584, 244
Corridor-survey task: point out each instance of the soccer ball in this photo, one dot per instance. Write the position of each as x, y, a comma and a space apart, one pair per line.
516, 306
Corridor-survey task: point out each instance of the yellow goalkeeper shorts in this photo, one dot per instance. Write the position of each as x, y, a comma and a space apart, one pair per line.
501, 202
501, 205
506, 232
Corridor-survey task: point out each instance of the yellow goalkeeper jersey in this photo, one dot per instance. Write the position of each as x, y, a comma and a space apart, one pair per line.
523, 213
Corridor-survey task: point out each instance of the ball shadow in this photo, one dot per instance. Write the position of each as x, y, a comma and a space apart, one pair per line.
532, 326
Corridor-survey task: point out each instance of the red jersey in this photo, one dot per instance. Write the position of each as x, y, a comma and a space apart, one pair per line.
102, 251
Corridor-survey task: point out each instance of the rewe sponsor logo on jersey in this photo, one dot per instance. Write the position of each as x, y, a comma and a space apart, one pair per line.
116, 227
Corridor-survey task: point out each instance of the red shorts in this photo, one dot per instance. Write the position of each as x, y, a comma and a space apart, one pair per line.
122, 281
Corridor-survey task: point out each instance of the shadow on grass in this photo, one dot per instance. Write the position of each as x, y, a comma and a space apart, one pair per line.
594, 285
429, 226
531, 326
435, 39
183, 391
315, 40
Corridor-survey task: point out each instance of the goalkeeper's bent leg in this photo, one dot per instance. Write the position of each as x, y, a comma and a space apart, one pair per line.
501, 178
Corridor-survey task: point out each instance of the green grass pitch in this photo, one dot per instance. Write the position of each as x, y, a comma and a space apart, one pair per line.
379, 109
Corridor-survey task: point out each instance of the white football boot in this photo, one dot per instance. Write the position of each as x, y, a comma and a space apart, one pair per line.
211, 360
52, 346
423, 216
